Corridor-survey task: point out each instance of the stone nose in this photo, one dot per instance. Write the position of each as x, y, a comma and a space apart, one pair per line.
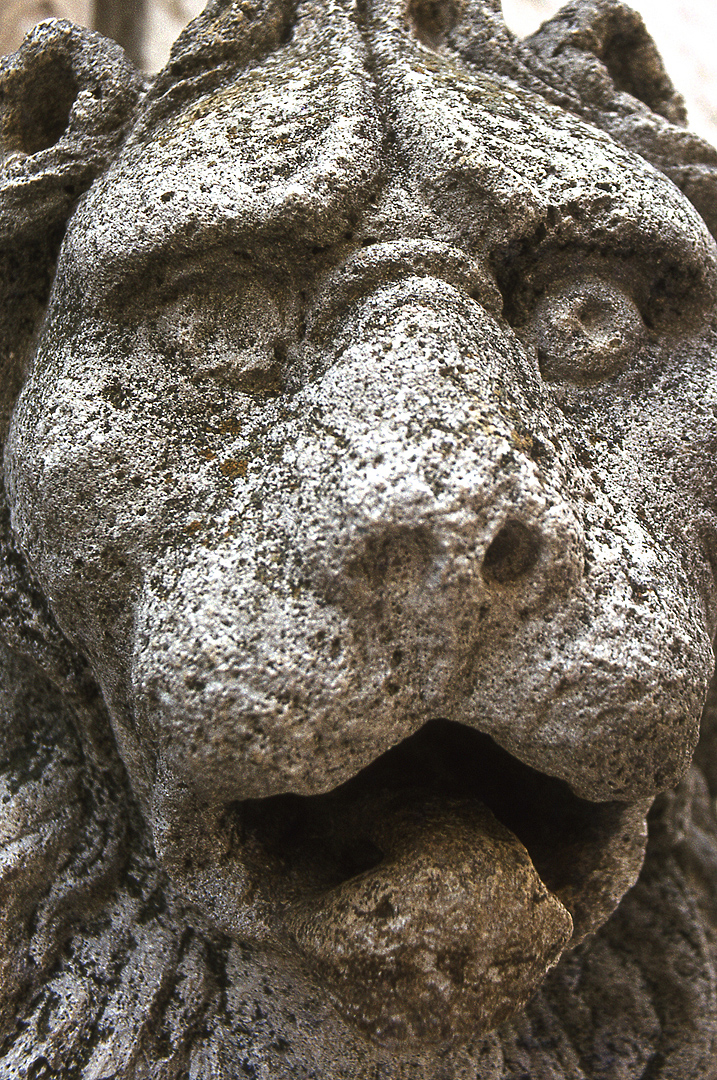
427, 488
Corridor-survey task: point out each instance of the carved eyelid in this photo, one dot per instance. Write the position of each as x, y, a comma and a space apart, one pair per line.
165, 275
671, 293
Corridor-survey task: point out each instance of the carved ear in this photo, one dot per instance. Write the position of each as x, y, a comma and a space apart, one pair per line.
66, 98
602, 50
607, 49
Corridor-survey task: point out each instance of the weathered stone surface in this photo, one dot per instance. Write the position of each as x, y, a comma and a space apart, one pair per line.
357, 588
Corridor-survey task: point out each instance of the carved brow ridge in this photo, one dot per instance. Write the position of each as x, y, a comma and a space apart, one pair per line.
164, 271
612, 219
660, 244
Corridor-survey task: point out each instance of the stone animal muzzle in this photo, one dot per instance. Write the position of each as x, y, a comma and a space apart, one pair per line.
428, 878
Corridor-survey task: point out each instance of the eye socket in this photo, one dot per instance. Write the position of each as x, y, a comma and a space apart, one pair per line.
234, 339
585, 330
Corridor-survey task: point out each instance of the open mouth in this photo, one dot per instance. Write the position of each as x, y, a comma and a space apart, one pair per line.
432, 891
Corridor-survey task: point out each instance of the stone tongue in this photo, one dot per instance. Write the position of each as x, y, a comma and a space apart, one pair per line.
445, 937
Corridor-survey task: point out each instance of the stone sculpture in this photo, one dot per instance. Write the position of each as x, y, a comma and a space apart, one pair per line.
357, 579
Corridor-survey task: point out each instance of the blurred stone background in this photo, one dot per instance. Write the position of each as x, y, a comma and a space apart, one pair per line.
685, 31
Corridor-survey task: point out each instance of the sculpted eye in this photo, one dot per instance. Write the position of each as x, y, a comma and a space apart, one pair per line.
236, 339
585, 330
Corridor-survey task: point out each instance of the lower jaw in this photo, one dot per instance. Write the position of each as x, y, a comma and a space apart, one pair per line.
431, 893
444, 937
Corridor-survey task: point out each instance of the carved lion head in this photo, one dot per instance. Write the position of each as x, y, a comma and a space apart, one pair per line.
362, 448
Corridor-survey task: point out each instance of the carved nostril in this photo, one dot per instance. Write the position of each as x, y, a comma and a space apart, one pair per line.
400, 556
512, 553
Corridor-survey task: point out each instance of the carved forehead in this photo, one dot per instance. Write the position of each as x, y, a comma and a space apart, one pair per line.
300, 143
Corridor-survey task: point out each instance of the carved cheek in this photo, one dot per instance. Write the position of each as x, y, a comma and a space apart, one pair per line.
68, 473
90, 468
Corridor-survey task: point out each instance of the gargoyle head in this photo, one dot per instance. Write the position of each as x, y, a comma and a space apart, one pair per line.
365, 452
